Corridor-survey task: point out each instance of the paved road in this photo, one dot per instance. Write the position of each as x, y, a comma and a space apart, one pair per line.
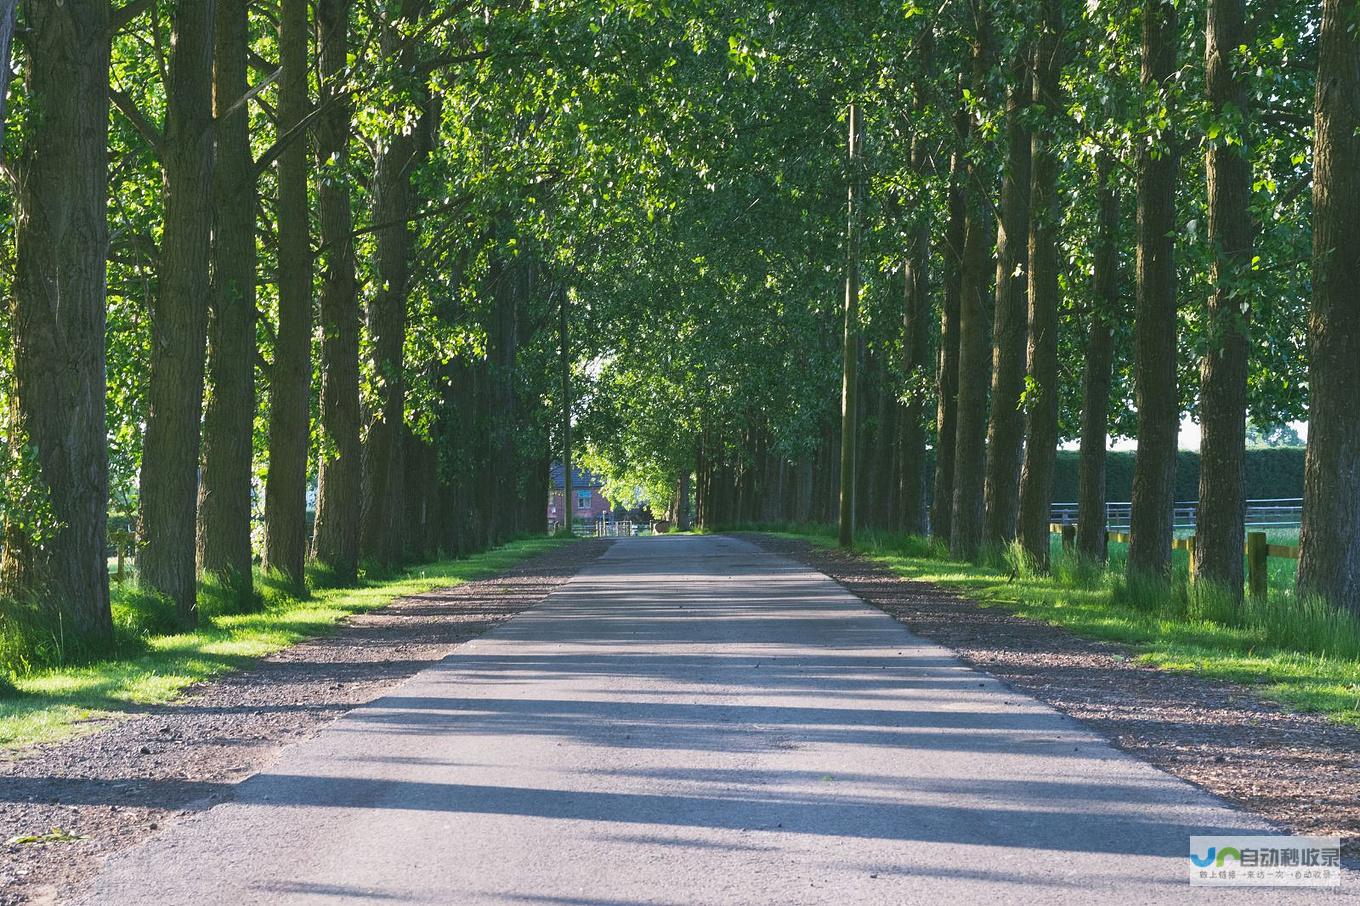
693, 720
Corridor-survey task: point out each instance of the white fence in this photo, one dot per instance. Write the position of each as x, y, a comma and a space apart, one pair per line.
614, 528
1282, 512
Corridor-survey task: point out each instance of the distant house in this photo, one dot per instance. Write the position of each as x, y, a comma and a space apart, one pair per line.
587, 501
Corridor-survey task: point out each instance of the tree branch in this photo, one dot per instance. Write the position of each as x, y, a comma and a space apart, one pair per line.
122, 17
260, 64
425, 67
453, 204
144, 126
297, 130
251, 93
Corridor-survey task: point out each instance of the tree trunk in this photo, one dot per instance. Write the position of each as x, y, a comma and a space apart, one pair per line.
947, 375
397, 158
1220, 524
915, 351
564, 373
335, 541
1097, 371
9, 10
507, 285
883, 480
455, 426
1006, 424
285, 496
965, 528
179, 319
58, 321
229, 413
868, 410
850, 348
1041, 441
417, 484
682, 521
1154, 366
1330, 564
381, 538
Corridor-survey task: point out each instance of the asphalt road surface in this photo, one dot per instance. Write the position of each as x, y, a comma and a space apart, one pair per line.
692, 720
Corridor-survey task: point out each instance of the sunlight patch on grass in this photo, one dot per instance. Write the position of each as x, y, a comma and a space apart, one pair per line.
63, 701
1299, 654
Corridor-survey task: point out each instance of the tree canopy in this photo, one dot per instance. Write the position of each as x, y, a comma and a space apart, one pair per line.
290, 281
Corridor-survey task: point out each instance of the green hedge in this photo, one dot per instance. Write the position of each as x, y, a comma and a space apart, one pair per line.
1270, 472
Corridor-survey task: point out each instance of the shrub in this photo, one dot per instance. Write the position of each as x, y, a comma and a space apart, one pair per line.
1269, 472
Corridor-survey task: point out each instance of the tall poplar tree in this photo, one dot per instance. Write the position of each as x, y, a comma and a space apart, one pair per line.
285, 496
179, 317
1154, 365
335, 540
1041, 439
1220, 521
1330, 561
224, 493
965, 529
55, 541
1006, 422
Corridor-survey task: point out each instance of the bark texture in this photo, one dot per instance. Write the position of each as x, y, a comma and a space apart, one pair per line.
1330, 564
1097, 371
850, 346
229, 411
947, 374
509, 283
1154, 365
564, 374
383, 536
1006, 423
1220, 527
1041, 440
382, 533
179, 318
915, 365
58, 319
9, 11
335, 543
285, 494
965, 529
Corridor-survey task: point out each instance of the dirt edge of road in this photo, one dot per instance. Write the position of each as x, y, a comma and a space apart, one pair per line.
1299, 770
114, 788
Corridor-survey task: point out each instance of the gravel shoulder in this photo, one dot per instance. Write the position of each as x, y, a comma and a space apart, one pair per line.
1299, 770
114, 788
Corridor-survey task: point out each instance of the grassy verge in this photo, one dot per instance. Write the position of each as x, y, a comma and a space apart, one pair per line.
1298, 653
49, 703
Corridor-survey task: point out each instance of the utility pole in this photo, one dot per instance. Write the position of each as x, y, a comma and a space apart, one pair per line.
850, 350
564, 337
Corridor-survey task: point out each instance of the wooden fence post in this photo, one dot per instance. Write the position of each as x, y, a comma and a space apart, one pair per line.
1069, 537
1257, 552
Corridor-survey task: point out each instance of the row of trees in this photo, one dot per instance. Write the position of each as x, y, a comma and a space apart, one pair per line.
274, 254
1077, 220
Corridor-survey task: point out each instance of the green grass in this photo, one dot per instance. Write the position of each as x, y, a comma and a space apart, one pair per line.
152, 662
1301, 654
